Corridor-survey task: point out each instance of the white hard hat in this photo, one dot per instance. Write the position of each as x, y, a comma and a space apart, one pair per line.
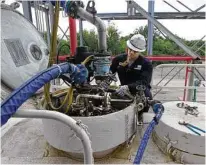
137, 43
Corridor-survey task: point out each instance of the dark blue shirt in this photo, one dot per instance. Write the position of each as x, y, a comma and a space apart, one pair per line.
139, 72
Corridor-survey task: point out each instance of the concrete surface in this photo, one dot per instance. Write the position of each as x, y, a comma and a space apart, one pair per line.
24, 143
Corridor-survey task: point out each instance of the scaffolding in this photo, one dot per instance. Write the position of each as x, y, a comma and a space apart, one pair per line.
44, 12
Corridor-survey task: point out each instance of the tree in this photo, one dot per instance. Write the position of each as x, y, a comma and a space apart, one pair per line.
113, 39
162, 45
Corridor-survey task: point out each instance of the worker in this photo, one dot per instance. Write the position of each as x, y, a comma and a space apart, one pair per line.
133, 69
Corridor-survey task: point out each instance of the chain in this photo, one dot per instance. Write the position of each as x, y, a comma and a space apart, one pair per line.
192, 110
84, 127
126, 128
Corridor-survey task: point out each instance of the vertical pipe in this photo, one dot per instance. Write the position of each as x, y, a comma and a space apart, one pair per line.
27, 10
186, 78
191, 82
48, 28
73, 36
81, 32
51, 15
150, 27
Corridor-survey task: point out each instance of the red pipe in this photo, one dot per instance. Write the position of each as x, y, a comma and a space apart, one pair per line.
155, 58
73, 36
169, 58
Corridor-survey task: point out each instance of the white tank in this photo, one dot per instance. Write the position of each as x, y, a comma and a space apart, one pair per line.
183, 145
106, 132
23, 50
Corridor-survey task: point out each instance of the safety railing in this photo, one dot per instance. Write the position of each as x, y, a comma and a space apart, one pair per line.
190, 88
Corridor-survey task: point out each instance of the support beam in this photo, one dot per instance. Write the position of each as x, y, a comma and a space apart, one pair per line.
185, 6
27, 10
171, 6
150, 28
157, 15
199, 8
165, 30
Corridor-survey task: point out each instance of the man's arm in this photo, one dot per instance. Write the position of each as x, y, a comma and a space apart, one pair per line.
114, 65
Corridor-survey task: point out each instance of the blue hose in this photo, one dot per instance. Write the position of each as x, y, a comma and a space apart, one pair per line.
10, 105
158, 109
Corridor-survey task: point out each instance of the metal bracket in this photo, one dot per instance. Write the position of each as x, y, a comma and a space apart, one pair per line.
91, 7
131, 10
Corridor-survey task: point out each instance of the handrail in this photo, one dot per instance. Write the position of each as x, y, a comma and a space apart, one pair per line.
77, 127
181, 65
176, 87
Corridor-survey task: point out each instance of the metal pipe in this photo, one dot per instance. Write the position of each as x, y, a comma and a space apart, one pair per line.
166, 31
150, 28
88, 96
73, 36
186, 78
81, 133
27, 10
181, 65
101, 28
51, 15
48, 28
81, 32
190, 83
121, 100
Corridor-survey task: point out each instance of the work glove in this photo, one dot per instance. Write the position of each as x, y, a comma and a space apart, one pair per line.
124, 91
104, 85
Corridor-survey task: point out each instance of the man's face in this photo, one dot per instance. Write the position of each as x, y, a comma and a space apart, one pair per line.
132, 55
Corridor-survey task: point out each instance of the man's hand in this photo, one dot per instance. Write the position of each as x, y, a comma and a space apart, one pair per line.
124, 91
104, 85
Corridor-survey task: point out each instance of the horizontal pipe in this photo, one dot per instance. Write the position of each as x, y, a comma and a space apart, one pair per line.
45, 114
153, 58
89, 97
181, 65
121, 100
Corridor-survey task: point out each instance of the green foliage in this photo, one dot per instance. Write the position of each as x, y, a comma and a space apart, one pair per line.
117, 44
63, 47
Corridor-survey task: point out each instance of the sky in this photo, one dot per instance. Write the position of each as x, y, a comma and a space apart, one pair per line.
188, 29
